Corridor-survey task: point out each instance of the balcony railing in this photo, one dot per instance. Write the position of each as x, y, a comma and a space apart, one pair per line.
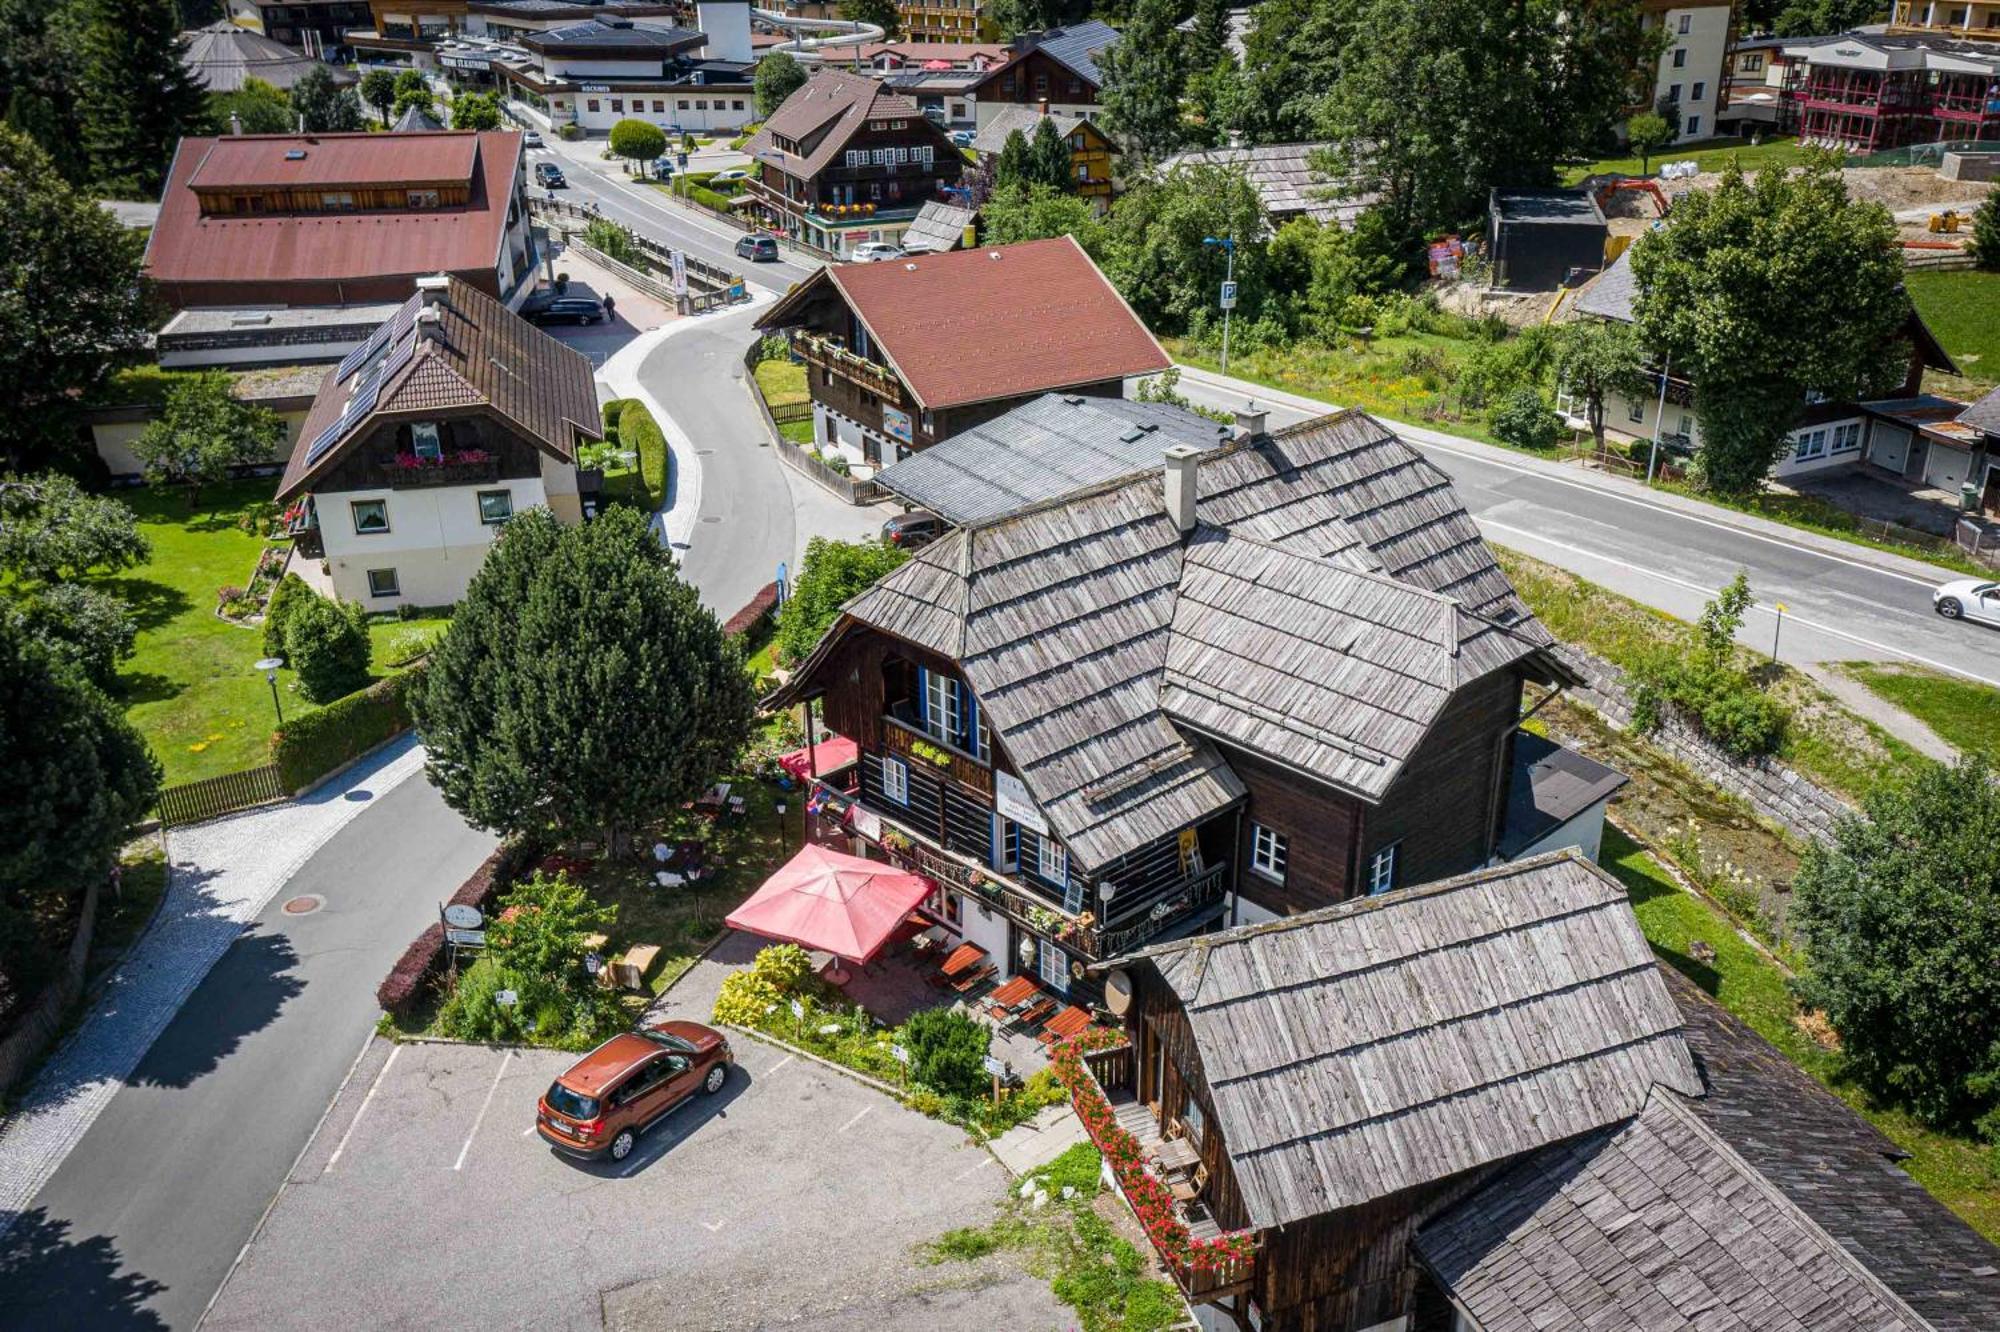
1156, 914
919, 746
828, 355
391, 475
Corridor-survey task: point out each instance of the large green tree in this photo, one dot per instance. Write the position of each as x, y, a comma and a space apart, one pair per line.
638, 140
70, 302
203, 432
255, 108
779, 75
1291, 60
481, 111
1144, 77
53, 531
1821, 18
1013, 165
1023, 213
142, 99
1049, 161
40, 51
1157, 251
882, 13
1014, 17
1725, 290
582, 689
378, 89
1900, 916
81, 626
1595, 359
327, 107
74, 777
832, 573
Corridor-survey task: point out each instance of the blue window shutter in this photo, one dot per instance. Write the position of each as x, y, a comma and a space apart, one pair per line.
923, 695
968, 708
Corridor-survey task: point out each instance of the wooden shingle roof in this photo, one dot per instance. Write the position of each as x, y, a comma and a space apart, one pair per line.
1657, 1226
1398, 1040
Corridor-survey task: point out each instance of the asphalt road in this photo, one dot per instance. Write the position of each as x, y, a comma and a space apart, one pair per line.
139, 1225
1842, 606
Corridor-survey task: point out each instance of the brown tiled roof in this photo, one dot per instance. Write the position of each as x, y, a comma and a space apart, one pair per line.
331, 247
264, 161
482, 354
996, 322
830, 97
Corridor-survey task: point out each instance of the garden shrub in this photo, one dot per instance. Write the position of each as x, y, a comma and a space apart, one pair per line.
947, 1049
611, 240
783, 965
645, 488
307, 748
611, 410
1525, 420
535, 948
290, 593
744, 999
326, 642
771, 347
542, 926
405, 980
1702, 679
754, 612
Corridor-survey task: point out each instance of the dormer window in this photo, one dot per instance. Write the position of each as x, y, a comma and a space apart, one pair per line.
424, 441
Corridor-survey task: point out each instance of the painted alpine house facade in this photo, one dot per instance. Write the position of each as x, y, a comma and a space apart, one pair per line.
1247, 682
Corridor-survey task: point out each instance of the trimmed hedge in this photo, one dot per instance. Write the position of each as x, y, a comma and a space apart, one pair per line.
405, 981
755, 612
310, 747
611, 410
645, 488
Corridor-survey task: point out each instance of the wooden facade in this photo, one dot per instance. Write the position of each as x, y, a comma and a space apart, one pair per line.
463, 435
1038, 77
400, 196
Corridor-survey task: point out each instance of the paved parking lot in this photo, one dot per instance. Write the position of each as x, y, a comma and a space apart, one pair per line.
795, 1197
633, 311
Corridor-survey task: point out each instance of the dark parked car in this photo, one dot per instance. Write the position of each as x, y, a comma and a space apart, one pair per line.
758, 247
628, 1084
564, 310
549, 176
913, 529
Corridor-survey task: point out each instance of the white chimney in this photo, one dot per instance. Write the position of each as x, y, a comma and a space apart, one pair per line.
726, 24
1250, 420
1180, 472
432, 287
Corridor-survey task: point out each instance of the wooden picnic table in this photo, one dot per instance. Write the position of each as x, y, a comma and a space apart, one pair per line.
1178, 1155
1065, 1024
962, 957
1011, 995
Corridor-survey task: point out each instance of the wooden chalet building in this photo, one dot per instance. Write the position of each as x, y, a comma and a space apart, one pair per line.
907, 352
1055, 68
1481, 1105
1090, 148
845, 160
1260, 678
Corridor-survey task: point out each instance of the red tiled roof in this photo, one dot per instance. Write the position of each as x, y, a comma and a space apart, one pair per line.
975, 325
327, 247
264, 161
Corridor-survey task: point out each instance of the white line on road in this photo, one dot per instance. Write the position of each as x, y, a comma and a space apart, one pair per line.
775, 1067
859, 1115
712, 1226
485, 1105
973, 1170
1697, 588
366, 1101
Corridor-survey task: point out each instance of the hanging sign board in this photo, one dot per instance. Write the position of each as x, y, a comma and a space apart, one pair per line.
896, 424
1011, 798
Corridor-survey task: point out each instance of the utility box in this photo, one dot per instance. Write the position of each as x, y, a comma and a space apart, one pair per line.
1537, 240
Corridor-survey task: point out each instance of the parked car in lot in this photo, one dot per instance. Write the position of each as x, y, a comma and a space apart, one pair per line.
724, 177
963, 138
874, 252
913, 529
549, 176
1968, 599
531, 139
615, 1093
564, 310
663, 168
758, 248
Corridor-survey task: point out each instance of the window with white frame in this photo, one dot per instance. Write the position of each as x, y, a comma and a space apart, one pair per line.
943, 717
424, 441
1006, 843
1268, 850
1052, 965
1052, 861
1686, 20
370, 516
1846, 438
896, 781
495, 507
1811, 444
1382, 869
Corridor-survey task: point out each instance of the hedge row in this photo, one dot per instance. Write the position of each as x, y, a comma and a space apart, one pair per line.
311, 746
405, 981
611, 410
645, 488
754, 612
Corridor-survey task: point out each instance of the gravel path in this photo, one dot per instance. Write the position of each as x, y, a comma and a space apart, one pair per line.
221, 876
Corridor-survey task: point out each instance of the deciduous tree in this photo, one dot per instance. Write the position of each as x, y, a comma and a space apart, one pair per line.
1158, 258
582, 689
832, 572
54, 531
882, 13
779, 75
1900, 916
326, 642
481, 111
1018, 16
85, 627
1594, 359
638, 141
142, 99
203, 431
1021, 214
327, 107
1986, 233
1724, 291
255, 108
378, 89
413, 91
1645, 134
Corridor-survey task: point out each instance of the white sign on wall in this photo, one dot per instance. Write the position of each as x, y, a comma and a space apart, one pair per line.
867, 824
1011, 798
680, 268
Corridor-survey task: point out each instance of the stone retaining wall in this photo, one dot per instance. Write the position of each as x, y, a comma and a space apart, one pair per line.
1775, 790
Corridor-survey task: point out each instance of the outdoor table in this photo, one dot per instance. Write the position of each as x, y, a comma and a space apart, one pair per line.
1177, 1155
632, 968
1014, 993
962, 957
715, 797
1066, 1023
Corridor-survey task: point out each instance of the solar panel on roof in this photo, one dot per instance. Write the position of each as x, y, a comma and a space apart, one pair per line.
355, 359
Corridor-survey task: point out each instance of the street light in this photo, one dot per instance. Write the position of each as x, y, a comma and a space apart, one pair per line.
269, 666
1228, 244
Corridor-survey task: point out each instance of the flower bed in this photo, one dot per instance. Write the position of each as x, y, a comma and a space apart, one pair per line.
1150, 1200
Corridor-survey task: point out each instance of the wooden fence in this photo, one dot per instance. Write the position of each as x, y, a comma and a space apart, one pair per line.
853, 490
785, 412
191, 802
1937, 260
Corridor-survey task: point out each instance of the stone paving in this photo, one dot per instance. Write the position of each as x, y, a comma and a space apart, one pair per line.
222, 874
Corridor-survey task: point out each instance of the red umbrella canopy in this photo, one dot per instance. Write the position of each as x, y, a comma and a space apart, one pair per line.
833, 903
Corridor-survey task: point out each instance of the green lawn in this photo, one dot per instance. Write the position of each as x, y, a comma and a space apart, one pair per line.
783, 384
1957, 1171
1963, 310
190, 687
1711, 154
1964, 714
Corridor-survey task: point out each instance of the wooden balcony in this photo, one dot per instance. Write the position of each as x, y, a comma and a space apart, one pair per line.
1130, 926
830, 356
916, 746
388, 474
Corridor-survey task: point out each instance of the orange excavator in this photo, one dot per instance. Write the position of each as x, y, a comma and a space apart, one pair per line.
1611, 187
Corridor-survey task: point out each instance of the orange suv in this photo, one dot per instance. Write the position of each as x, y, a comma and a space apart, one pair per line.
628, 1084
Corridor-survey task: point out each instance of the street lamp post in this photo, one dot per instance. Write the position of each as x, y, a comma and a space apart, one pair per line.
1228, 244
269, 666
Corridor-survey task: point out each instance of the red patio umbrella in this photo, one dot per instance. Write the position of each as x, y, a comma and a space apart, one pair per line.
828, 756
833, 903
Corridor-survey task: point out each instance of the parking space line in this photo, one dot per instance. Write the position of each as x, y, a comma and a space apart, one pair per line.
484, 1106
355, 1123
775, 1067
858, 1117
973, 1169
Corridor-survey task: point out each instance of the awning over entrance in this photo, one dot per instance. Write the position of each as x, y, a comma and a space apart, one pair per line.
828, 756
832, 902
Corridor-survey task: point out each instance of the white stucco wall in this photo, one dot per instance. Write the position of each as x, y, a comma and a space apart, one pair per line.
435, 541
1706, 48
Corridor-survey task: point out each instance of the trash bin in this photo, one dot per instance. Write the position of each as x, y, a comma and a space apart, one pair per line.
1968, 497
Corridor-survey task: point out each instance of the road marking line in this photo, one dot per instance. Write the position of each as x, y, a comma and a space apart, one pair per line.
366, 1101
1697, 588
860, 1115
485, 1105
711, 1228
526, 1131
775, 1067
973, 1170
1400, 427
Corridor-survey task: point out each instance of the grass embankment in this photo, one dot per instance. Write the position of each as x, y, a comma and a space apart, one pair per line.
783, 384
1708, 155
1964, 714
1963, 310
1959, 1172
190, 687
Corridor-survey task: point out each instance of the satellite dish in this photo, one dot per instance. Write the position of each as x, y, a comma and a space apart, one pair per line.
1118, 991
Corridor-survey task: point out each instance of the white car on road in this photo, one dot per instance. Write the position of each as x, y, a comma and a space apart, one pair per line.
1968, 599
872, 252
